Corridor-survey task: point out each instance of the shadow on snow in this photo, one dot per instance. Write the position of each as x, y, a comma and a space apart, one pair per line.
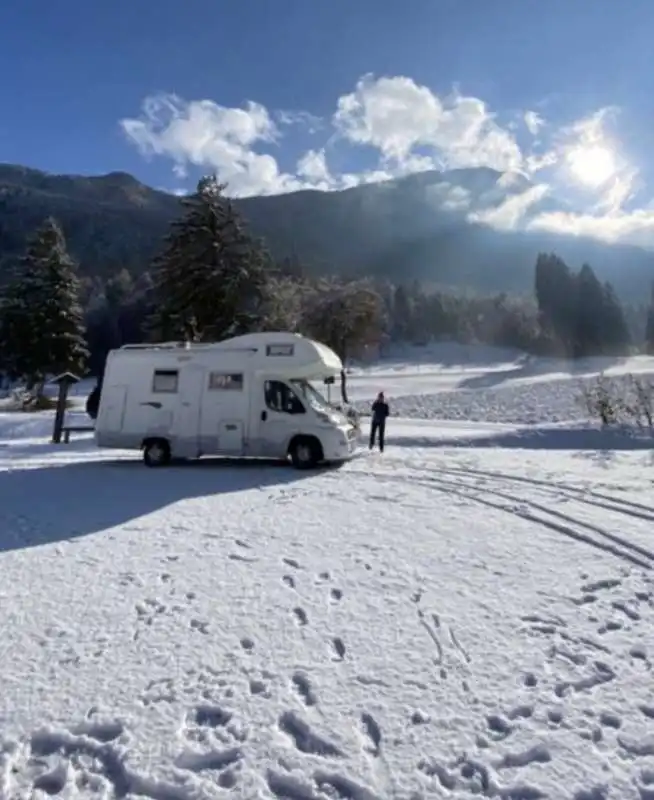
62, 502
537, 438
535, 367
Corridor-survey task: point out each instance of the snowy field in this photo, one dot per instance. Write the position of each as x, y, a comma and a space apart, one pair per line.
468, 615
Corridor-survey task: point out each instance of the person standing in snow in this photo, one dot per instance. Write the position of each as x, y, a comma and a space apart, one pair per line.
380, 411
93, 402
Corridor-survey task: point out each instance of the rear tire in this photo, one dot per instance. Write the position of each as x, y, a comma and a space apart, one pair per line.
156, 453
305, 452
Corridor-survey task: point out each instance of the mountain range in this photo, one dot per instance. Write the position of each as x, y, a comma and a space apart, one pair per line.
412, 228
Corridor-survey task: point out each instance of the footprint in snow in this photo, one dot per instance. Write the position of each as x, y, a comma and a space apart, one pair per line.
243, 559
555, 716
219, 760
258, 687
499, 727
339, 647
305, 738
530, 680
610, 720
71, 747
301, 616
215, 760
303, 687
199, 625
372, 732
210, 716
537, 754
146, 613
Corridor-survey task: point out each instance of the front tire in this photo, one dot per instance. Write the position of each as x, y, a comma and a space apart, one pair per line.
156, 453
305, 452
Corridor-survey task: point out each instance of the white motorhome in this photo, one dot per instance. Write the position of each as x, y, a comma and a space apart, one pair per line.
249, 396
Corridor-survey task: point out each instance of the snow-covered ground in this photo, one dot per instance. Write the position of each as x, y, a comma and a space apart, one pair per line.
470, 614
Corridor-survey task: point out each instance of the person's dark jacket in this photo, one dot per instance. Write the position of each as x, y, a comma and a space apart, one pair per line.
380, 411
93, 402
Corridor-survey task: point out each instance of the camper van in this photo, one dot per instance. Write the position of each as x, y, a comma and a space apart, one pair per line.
250, 396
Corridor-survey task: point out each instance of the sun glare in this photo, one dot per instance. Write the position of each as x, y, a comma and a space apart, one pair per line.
592, 165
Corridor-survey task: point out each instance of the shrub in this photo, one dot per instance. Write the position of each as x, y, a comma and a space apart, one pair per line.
627, 403
21, 400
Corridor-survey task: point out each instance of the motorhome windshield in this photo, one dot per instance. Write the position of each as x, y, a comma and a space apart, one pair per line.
315, 399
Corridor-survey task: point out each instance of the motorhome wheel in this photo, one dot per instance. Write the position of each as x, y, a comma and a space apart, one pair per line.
156, 453
305, 453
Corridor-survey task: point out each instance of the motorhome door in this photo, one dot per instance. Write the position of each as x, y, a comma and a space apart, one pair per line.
280, 415
186, 425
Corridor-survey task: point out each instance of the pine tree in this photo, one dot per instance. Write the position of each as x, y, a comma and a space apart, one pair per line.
402, 315
616, 336
42, 328
556, 295
589, 335
210, 279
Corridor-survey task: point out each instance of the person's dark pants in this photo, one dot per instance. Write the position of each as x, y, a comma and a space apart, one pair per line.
377, 428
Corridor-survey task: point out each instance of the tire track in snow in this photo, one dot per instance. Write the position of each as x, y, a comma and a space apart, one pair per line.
632, 547
630, 508
525, 508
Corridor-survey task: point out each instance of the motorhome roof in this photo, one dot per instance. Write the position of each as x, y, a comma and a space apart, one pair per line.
281, 353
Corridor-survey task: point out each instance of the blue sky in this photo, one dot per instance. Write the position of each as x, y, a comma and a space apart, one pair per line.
559, 90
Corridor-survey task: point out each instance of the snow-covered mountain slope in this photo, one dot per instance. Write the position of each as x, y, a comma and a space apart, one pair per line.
470, 614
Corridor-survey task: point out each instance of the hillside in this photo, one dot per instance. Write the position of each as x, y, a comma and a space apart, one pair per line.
406, 229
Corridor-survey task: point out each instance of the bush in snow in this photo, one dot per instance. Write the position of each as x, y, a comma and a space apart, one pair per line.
22, 400
633, 405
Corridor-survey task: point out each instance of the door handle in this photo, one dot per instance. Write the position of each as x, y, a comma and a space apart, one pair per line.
264, 416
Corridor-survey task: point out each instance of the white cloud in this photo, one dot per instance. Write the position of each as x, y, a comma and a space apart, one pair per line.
635, 227
411, 129
589, 154
537, 162
449, 197
206, 134
507, 180
177, 192
303, 119
457, 199
396, 115
619, 192
313, 166
533, 121
508, 214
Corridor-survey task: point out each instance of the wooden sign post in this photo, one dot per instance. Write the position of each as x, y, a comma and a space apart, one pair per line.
64, 382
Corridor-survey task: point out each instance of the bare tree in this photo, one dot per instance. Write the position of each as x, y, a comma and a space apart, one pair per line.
343, 315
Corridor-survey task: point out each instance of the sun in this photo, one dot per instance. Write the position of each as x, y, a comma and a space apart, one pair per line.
592, 165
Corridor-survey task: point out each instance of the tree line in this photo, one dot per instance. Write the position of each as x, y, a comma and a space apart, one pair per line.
211, 280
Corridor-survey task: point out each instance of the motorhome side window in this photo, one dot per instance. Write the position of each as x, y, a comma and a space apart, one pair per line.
164, 381
281, 398
221, 381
